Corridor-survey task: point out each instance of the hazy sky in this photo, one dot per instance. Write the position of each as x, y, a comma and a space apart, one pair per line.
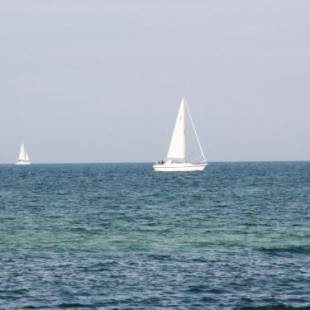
100, 81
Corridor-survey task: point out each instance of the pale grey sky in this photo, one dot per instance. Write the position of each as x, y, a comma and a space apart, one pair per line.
100, 81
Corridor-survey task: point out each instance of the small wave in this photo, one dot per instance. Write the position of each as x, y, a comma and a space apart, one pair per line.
276, 307
160, 257
84, 230
152, 301
74, 306
14, 292
197, 288
35, 307
99, 267
291, 250
207, 299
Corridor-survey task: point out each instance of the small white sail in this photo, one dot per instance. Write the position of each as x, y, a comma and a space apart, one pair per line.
22, 153
23, 158
177, 146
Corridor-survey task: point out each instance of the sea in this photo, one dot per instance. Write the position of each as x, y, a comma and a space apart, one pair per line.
120, 236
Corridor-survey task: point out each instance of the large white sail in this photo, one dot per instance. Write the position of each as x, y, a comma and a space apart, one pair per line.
176, 152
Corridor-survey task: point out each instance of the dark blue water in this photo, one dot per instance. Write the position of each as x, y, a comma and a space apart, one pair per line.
123, 237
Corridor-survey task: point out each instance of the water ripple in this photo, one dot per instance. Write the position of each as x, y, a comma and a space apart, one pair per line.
119, 236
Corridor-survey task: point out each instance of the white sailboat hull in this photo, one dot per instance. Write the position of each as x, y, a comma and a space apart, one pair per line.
23, 163
179, 167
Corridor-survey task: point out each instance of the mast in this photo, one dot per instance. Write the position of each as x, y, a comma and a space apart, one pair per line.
183, 102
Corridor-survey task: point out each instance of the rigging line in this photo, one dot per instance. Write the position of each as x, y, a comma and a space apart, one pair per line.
195, 131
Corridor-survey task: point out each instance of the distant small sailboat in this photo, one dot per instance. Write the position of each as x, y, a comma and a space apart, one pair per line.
176, 158
23, 158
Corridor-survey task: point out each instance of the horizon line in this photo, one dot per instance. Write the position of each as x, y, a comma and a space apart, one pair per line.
152, 162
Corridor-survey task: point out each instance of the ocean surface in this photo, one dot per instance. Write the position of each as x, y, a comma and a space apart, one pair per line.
119, 236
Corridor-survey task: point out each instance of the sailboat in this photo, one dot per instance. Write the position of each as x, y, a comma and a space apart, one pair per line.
23, 158
176, 157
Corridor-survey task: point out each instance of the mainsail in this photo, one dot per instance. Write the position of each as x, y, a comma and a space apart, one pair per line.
177, 146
